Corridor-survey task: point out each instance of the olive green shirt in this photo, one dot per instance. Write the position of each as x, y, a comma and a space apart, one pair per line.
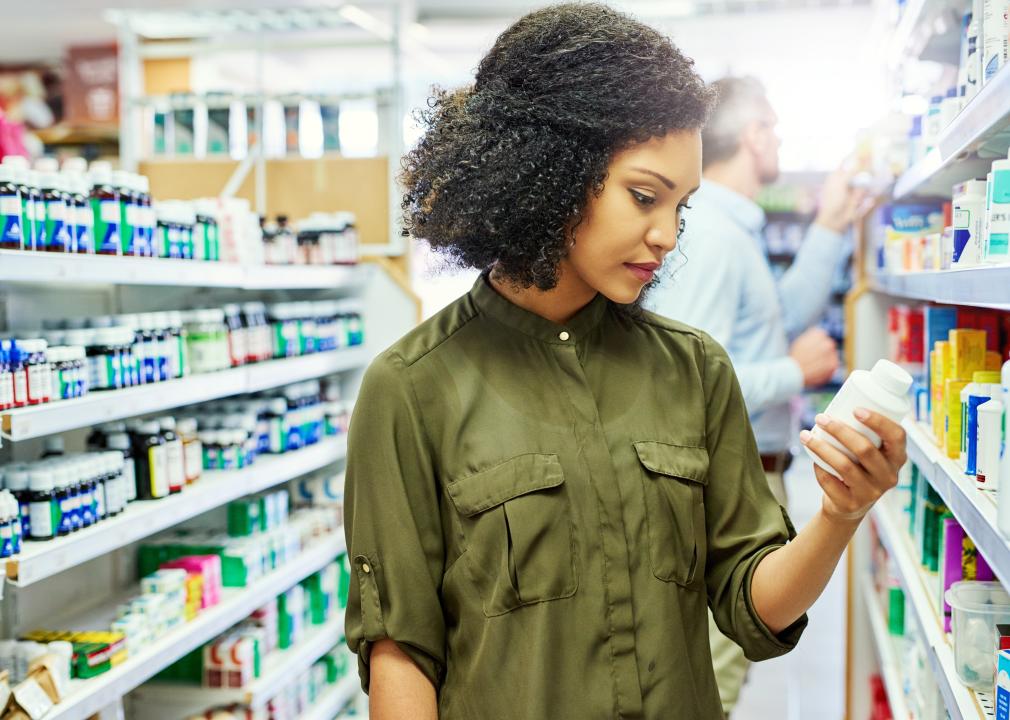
539, 515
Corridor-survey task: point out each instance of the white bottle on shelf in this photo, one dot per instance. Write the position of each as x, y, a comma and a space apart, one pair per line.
969, 221
997, 246
884, 390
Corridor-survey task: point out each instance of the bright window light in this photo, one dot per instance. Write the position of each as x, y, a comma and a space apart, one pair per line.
359, 128
310, 129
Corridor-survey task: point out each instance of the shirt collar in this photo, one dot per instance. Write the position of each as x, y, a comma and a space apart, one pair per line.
740, 208
489, 302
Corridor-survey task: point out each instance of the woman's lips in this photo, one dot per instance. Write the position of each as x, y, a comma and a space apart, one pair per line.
643, 272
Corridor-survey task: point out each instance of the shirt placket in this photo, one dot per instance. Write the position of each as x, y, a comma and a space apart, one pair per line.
598, 467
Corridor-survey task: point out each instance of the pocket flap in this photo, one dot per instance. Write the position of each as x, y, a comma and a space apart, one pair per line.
512, 478
689, 463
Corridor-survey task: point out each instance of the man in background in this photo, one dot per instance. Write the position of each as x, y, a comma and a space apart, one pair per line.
726, 288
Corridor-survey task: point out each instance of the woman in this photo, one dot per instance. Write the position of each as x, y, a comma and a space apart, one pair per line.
547, 486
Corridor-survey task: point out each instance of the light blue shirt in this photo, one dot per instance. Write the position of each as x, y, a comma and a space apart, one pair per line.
723, 284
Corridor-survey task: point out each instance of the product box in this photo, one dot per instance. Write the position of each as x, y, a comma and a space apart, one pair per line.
939, 379
1003, 685
952, 422
937, 322
967, 352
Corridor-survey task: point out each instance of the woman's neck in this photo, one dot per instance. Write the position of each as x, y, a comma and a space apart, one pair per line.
559, 305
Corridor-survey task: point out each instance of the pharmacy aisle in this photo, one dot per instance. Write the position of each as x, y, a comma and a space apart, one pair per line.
928, 576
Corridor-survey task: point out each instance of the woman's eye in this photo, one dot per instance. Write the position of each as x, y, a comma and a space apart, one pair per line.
642, 198
681, 226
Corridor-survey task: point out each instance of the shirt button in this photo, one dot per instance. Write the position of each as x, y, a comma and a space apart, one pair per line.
564, 336
365, 568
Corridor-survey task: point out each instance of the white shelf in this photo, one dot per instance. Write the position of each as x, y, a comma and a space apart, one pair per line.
885, 651
60, 268
279, 668
974, 509
919, 588
335, 699
87, 697
983, 286
981, 126
100, 407
41, 560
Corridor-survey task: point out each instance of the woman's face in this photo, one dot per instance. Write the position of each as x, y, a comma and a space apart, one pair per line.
633, 224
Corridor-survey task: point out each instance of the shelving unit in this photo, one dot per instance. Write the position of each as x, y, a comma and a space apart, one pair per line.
101, 407
967, 147
334, 700
885, 649
89, 696
72, 269
920, 589
279, 668
41, 560
978, 286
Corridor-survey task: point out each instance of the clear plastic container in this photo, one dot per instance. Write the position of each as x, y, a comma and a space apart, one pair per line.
977, 607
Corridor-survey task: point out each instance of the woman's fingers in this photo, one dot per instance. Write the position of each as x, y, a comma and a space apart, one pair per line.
890, 432
872, 459
850, 473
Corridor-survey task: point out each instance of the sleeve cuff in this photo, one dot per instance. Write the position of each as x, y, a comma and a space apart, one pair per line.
758, 642
791, 377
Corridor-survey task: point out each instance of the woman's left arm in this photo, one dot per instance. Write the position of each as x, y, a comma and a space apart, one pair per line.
788, 581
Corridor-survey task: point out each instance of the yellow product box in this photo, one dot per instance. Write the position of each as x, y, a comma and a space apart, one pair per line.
952, 424
993, 361
938, 376
967, 353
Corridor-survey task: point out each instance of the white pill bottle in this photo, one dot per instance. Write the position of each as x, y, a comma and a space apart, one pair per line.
884, 390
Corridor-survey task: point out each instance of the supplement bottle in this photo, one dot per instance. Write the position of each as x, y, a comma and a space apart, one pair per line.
123, 186
237, 335
42, 507
178, 358
151, 462
84, 217
11, 235
211, 450
16, 480
55, 202
164, 344
998, 221
175, 457
120, 442
27, 203
71, 477
36, 365
6, 376
192, 450
105, 208
38, 210
969, 202
115, 490
19, 375
6, 527
884, 390
145, 215
53, 446
14, 513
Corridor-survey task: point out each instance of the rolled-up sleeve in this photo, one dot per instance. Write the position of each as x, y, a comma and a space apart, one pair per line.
393, 525
743, 521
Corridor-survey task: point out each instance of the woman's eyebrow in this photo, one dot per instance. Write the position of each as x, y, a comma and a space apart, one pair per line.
665, 180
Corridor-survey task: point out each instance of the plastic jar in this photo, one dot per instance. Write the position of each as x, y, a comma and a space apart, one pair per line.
174, 455
884, 389
42, 505
977, 608
39, 372
238, 345
151, 462
105, 206
121, 444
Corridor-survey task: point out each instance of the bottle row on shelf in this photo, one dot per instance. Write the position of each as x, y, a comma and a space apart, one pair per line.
150, 460
972, 229
110, 353
101, 211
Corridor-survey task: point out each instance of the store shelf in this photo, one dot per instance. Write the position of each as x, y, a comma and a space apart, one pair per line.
334, 700
974, 509
87, 697
60, 268
280, 667
101, 407
966, 148
983, 286
41, 560
920, 589
886, 652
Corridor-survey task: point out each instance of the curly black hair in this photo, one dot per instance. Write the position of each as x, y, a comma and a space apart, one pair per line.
506, 166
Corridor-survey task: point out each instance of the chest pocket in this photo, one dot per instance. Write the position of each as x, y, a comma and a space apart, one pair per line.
517, 523
674, 480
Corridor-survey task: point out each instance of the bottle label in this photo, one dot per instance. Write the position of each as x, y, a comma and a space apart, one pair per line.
42, 516
56, 226
10, 216
211, 458
26, 520
107, 228
99, 369
6, 539
193, 453
159, 471
36, 385
176, 465
6, 390
130, 480
278, 438
85, 229
20, 385
39, 219
65, 516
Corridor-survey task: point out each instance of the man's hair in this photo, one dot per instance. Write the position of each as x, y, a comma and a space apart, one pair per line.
741, 101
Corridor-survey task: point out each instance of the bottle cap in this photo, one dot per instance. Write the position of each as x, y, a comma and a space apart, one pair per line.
16, 479
150, 428
990, 377
891, 377
118, 441
167, 423
41, 480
